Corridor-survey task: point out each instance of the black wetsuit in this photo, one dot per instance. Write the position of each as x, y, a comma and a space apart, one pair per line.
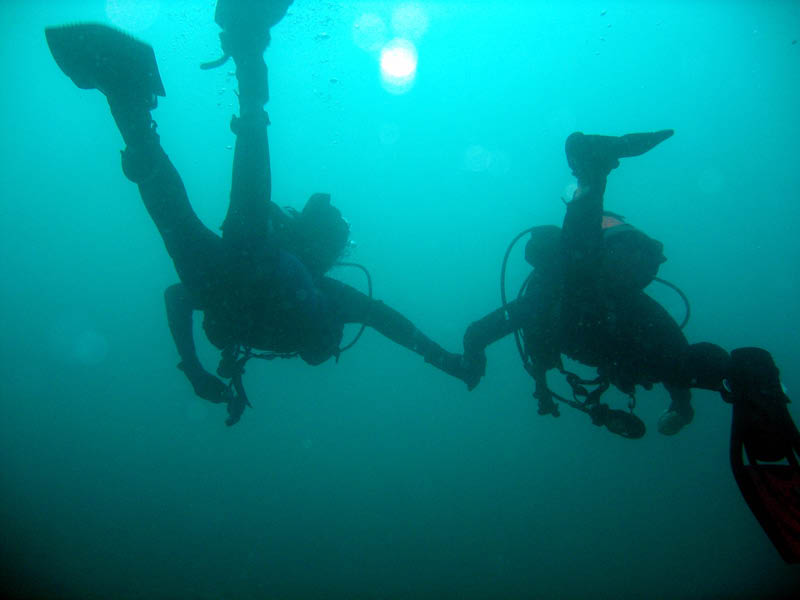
253, 292
570, 308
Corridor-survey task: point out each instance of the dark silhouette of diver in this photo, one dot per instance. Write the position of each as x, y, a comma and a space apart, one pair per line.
261, 284
585, 299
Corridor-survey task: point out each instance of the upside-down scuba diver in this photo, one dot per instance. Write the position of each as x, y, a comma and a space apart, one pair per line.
262, 283
585, 299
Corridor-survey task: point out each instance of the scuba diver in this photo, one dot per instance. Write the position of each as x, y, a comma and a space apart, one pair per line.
261, 284
585, 299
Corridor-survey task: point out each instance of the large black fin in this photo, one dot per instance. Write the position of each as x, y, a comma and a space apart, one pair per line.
97, 56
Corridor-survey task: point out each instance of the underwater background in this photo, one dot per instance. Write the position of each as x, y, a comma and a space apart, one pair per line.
379, 477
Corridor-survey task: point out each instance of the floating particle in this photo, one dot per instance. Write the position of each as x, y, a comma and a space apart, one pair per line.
794, 42
322, 36
334, 80
603, 13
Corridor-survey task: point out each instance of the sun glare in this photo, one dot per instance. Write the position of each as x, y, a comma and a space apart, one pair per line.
398, 65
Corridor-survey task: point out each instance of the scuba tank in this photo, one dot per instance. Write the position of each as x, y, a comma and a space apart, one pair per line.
632, 258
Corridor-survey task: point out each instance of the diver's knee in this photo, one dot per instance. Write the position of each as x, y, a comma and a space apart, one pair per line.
707, 365
140, 162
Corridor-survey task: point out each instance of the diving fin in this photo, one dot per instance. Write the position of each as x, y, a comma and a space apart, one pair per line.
96, 56
636, 144
589, 155
763, 432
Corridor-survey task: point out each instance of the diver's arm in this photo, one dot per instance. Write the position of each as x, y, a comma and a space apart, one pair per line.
493, 327
179, 316
354, 307
487, 330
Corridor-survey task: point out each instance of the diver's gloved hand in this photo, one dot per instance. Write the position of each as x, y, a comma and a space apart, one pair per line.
474, 364
206, 385
452, 364
236, 405
546, 404
672, 420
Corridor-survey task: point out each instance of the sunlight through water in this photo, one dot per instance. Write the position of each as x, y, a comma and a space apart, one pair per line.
398, 65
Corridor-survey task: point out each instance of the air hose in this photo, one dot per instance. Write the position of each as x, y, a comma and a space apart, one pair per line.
369, 288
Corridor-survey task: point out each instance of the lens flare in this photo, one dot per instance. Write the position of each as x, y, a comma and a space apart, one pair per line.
369, 32
477, 158
410, 21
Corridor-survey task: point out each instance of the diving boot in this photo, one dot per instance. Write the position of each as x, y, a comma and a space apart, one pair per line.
124, 69
244, 37
546, 404
595, 156
245, 27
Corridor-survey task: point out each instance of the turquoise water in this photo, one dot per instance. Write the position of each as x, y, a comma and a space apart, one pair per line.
379, 477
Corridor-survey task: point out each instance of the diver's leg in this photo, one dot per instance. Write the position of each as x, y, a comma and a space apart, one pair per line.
247, 220
125, 70
245, 36
582, 233
592, 158
246, 229
704, 366
195, 250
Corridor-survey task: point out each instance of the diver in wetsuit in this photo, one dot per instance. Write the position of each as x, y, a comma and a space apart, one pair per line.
261, 285
586, 298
